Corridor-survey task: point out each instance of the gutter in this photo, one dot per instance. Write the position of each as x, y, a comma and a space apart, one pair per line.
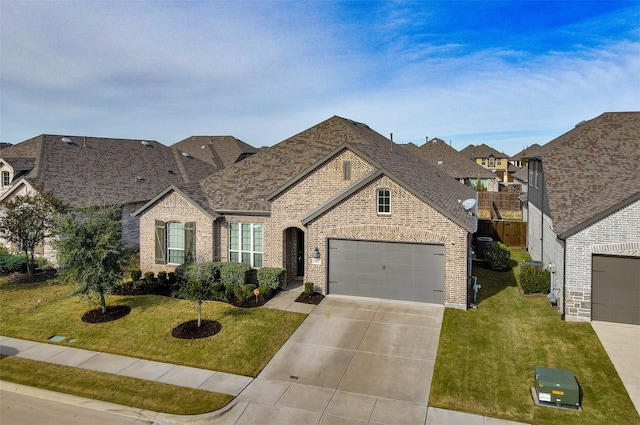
244, 212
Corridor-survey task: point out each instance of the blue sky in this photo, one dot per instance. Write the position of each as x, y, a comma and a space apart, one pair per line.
508, 74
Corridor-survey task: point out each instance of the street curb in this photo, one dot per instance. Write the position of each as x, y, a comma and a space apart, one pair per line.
130, 412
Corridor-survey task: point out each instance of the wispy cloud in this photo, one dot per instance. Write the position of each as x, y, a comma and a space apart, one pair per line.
263, 71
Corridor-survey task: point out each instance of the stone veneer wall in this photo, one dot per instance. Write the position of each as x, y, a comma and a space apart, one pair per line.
174, 207
617, 234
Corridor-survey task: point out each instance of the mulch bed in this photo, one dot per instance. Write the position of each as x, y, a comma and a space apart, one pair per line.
190, 329
113, 313
314, 298
38, 276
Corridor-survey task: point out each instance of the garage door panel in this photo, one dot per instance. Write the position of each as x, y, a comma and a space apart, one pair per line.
390, 270
615, 289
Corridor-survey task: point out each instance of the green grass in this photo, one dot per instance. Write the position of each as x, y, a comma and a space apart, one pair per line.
486, 358
148, 395
248, 340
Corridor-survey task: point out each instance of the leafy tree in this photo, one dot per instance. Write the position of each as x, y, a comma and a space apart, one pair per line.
27, 220
90, 251
197, 285
478, 186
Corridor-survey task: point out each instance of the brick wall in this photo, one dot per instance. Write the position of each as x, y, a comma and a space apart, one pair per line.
174, 207
617, 234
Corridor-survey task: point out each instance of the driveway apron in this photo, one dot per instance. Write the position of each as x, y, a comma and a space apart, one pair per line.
353, 360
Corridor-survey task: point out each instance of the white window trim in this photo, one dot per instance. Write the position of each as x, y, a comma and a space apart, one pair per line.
170, 249
378, 205
252, 251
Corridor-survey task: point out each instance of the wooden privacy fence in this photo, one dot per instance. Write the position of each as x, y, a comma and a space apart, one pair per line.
499, 205
511, 233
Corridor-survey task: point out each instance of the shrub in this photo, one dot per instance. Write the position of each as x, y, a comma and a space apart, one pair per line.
181, 273
308, 288
497, 255
13, 263
272, 277
148, 277
171, 278
212, 269
234, 273
229, 291
244, 292
534, 279
266, 292
162, 277
42, 263
136, 274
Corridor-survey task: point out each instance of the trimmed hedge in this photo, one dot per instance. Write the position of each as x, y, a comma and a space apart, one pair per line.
235, 274
534, 279
497, 256
12, 263
272, 277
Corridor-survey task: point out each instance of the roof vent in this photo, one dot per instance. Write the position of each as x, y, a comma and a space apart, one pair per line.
202, 147
140, 178
144, 142
172, 172
440, 162
186, 154
67, 140
580, 123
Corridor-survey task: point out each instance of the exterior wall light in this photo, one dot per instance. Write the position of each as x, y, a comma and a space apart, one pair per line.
316, 253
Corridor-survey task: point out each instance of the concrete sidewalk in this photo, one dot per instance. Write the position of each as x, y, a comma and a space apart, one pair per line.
352, 361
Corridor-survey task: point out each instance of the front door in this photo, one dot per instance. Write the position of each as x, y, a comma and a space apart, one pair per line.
299, 252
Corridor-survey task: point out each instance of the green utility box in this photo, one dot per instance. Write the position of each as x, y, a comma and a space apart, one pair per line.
556, 387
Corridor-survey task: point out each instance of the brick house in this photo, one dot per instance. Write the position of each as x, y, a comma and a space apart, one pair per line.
490, 159
338, 205
439, 154
98, 171
219, 151
584, 217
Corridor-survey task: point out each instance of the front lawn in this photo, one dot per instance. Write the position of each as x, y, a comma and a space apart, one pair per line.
486, 358
248, 340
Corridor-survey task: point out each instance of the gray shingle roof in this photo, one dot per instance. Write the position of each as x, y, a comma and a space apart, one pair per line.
482, 151
527, 152
438, 153
592, 168
220, 151
103, 171
246, 185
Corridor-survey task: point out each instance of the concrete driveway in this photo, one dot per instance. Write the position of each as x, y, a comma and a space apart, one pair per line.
622, 344
353, 360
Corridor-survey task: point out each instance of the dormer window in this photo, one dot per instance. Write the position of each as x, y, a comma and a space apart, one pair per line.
491, 162
384, 201
6, 178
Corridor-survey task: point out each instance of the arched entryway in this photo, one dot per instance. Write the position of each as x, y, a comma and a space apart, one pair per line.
294, 257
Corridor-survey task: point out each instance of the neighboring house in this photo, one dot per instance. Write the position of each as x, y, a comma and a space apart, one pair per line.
338, 205
584, 217
97, 171
4, 145
519, 160
489, 158
439, 154
219, 151
521, 178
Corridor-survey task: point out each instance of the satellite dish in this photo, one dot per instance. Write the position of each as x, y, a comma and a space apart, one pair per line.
467, 204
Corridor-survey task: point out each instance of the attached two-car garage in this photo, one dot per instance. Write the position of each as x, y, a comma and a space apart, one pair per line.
388, 270
615, 294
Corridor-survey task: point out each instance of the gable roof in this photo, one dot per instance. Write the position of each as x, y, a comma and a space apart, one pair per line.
219, 151
482, 151
592, 170
101, 171
248, 185
529, 151
438, 153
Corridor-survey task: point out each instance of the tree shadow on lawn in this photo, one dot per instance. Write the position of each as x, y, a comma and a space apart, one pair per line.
493, 282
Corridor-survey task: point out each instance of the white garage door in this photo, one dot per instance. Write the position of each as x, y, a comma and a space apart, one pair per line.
390, 270
615, 295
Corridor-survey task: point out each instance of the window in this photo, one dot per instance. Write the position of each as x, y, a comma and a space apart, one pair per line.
484, 161
499, 161
175, 242
245, 243
491, 162
346, 166
6, 178
384, 201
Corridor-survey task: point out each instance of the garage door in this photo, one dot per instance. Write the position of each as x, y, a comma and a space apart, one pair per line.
615, 293
390, 270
